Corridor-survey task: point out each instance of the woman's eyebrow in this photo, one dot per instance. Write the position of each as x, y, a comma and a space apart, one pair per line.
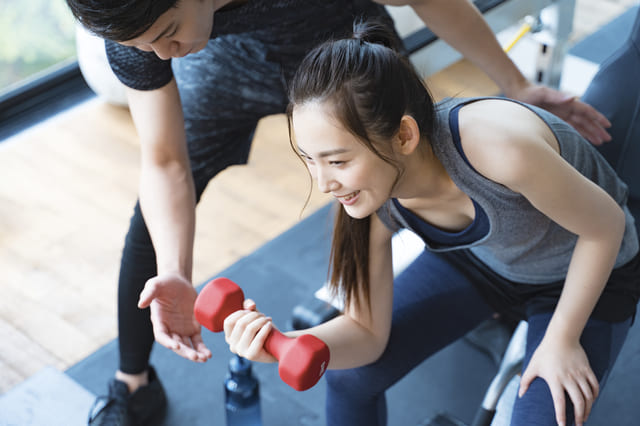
326, 153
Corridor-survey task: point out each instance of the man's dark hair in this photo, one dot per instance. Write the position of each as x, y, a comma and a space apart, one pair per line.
119, 20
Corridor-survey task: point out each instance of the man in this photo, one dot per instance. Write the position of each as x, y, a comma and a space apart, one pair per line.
200, 74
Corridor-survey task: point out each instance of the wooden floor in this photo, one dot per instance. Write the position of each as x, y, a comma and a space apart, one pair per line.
66, 194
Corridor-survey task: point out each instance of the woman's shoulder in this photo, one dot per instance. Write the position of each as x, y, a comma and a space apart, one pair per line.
487, 115
498, 135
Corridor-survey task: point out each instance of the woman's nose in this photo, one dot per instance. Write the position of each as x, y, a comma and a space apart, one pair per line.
326, 183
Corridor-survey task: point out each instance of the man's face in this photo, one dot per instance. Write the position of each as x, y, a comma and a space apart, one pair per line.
179, 31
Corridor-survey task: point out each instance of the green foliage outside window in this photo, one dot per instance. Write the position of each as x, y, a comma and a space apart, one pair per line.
36, 34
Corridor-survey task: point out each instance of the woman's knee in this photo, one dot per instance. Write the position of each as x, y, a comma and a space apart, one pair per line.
536, 408
354, 383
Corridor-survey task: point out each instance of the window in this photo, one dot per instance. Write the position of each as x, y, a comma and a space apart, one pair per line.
37, 35
39, 73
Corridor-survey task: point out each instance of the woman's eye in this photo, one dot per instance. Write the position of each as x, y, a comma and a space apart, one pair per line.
336, 163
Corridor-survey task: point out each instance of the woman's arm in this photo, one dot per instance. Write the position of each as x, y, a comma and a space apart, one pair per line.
356, 338
460, 24
525, 159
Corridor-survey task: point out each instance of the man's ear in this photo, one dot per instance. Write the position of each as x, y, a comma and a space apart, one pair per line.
408, 137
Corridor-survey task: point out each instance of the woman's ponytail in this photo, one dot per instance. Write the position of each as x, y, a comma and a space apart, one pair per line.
376, 33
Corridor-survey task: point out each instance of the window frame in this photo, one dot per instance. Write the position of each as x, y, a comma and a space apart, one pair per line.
36, 99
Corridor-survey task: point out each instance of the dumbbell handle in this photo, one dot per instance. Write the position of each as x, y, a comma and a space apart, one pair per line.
276, 343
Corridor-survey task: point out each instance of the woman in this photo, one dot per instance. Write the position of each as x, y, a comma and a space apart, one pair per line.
518, 212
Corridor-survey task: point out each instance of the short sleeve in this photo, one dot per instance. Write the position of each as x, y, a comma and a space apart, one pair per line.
138, 69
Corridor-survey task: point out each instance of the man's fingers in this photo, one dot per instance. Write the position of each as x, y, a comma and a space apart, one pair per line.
593, 114
589, 130
201, 349
147, 294
175, 342
186, 348
596, 122
165, 339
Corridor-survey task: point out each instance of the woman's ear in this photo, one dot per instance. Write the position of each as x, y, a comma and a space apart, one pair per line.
408, 137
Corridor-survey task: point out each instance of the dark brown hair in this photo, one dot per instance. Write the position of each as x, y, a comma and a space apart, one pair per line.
119, 20
370, 87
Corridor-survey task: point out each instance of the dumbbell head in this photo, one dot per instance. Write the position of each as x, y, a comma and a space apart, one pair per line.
303, 361
218, 299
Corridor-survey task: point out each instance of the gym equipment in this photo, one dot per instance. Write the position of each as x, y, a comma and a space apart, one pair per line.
301, 361
311, 313
430, 54
510, 366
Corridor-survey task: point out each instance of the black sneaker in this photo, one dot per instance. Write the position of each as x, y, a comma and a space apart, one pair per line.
144, 407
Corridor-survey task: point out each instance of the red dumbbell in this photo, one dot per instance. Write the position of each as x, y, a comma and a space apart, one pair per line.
301, 361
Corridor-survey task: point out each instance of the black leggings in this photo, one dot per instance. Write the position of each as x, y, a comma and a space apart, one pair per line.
138, 264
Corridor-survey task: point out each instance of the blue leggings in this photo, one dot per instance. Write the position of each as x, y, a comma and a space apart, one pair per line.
439, 298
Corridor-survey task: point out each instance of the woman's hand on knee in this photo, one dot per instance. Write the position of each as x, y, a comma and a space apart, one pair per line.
246, 332
565, 368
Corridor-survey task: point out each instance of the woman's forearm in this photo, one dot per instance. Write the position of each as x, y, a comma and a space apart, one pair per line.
591, 265
351, 345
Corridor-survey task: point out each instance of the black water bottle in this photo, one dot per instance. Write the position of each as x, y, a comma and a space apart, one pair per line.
242, 394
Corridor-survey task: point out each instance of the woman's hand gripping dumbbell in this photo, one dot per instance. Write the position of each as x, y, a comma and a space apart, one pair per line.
301, 361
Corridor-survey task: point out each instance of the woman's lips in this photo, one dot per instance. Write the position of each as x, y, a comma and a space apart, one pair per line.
348, 199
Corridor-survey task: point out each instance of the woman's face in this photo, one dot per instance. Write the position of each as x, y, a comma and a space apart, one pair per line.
339, 163
179, 31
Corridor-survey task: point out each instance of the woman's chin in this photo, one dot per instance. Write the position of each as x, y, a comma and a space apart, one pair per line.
356, 213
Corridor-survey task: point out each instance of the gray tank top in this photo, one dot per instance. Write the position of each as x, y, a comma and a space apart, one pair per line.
522, 244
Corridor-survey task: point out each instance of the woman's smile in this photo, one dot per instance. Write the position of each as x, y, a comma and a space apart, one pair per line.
348, 199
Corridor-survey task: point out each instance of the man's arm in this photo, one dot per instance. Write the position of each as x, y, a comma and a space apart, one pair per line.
167, 196
167, 200
461, 25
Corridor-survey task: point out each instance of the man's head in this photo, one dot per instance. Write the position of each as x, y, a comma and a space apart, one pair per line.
119, 20
170, 28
